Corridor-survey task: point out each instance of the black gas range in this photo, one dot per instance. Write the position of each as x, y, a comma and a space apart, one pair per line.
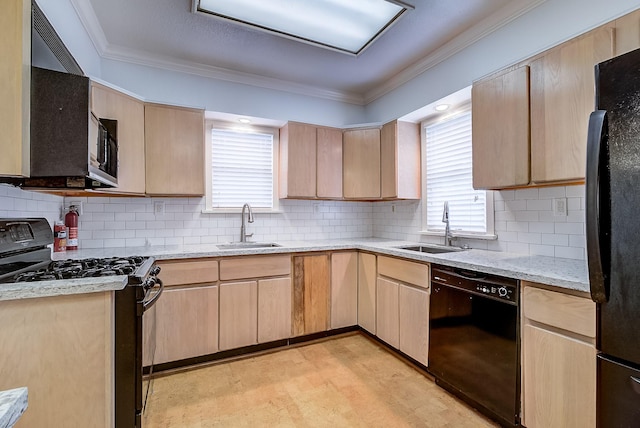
25, 256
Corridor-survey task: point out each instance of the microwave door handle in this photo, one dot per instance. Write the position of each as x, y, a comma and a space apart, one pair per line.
596, 141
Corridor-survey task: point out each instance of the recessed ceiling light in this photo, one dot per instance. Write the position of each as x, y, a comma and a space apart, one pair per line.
442, 107
244, 120
346, 26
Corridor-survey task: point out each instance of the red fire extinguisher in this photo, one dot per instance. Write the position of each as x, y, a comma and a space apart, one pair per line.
71, 222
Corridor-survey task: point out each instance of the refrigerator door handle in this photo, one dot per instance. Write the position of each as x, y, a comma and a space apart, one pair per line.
596, 148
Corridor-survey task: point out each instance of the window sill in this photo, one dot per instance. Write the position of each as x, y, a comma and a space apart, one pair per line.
484, 237
239, 211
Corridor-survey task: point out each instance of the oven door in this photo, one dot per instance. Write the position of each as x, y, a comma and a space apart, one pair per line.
149, 339
473, 349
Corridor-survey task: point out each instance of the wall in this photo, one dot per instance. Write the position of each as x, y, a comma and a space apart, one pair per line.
17, 203
131, 222
524, 223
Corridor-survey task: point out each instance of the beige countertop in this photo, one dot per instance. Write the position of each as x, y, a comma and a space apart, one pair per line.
562, 273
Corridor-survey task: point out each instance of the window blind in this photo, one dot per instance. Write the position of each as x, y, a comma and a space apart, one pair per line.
242, 169
449, 177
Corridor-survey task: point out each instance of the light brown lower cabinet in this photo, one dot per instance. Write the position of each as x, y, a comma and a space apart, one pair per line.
558, 360
344, 289
61, 348
238, 314
274, 309
186, 324
413, 309
387, 315
367, 292
311, 288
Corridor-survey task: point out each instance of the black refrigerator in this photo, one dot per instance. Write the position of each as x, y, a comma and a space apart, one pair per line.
613, 237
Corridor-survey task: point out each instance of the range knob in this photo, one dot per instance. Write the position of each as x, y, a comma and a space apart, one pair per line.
502, 291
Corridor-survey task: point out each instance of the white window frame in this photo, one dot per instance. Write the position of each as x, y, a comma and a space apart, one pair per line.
489, 205
275, 132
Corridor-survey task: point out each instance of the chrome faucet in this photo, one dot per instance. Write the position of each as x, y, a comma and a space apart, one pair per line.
243, 229
447, 229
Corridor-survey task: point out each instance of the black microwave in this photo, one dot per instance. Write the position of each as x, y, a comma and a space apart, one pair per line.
103, 150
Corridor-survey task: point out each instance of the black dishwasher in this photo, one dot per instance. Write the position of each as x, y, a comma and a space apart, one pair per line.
474, 340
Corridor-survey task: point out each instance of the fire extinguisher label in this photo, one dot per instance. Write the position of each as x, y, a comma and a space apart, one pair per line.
72, 240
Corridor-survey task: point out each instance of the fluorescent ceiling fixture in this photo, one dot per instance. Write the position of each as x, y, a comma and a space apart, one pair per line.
343, 25
442, 107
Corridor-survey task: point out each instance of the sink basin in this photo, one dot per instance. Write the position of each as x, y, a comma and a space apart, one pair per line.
246, 245
432, 249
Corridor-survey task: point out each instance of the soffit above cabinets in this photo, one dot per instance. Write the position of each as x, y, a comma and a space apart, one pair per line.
168, 34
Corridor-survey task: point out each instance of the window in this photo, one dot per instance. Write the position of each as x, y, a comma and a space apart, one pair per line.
448, 177
241, 167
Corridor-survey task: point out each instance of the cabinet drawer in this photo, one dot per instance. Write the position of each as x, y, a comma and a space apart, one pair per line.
409, 272
188, 272
254, 267
572, 313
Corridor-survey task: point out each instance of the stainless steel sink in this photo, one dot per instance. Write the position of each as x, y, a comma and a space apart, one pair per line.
246, 245
432, 249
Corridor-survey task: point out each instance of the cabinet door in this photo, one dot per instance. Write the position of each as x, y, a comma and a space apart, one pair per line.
562, 97
344, 289
329, 163
367, 292
627, 33
387, 315
15, 78
311, 286
274, 309
413, 304
186, 324
500, 130
174, 150
361, 168
107, 103
559, 380
298, 160
238, 314
400, 160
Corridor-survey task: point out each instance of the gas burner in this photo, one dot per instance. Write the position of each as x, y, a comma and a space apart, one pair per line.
84, 268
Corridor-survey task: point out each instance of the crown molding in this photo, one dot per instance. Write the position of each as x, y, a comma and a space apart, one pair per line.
513, 10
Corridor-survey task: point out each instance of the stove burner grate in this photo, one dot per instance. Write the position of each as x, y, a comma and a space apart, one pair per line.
84, 268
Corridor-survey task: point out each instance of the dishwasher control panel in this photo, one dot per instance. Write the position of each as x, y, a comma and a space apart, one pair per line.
496, 287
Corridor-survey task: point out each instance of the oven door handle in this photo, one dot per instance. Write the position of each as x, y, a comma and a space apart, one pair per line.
147, 304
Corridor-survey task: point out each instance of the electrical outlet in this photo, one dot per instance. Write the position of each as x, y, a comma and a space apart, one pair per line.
560, 207
78, 204
158, 207
393, 208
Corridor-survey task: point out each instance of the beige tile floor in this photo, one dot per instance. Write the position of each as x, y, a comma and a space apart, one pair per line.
347, 381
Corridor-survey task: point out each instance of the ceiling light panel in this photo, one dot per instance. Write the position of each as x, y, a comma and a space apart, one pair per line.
347, 26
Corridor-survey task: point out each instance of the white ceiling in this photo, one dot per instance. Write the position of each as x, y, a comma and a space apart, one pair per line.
165, 33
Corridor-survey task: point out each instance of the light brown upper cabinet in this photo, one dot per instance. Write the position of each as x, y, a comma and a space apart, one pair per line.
107, 103
15, 83
500, 129
562, 97
361, 163
400, 160
174, 150
627, 33
310, 161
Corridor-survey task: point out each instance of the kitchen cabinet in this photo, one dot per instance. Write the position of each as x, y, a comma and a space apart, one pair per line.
310, 161
500, 130
562, 97
558, 359
403, 306
361, 163
186, 316
367, 292
274, 309
107, 103
15, 83
627, 34
255, 300
62, 349
400, 160
344, 289
311, 288
174, 150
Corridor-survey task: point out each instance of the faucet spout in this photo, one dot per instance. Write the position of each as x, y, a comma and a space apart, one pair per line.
447, 229
243, 228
